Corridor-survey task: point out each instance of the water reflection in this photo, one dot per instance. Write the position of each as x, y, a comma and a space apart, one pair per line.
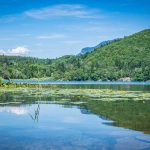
62, 127
58, 123
125, 113
14, 109
128, 114
35, 115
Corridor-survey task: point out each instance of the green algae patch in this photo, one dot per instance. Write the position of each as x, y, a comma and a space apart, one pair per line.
79, 94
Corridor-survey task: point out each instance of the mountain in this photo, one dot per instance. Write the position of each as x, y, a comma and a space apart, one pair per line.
90, 49
124, 59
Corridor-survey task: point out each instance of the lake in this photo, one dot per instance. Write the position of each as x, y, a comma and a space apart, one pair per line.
33, 119
133, 86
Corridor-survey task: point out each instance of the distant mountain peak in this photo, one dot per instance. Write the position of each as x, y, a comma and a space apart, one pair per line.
90, 49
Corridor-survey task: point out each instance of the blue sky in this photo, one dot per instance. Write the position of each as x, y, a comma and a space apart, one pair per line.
53, 28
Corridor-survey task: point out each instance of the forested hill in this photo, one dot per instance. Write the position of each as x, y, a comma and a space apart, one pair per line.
127, 57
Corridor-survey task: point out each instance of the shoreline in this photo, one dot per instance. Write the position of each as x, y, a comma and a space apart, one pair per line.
52, 82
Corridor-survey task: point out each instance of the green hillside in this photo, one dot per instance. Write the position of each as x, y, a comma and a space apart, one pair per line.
127, 57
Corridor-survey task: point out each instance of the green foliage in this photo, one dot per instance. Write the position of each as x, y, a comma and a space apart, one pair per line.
1, 80
127, 57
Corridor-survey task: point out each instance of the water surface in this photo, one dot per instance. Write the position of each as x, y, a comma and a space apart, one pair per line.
116, 85
30, 122
59, 127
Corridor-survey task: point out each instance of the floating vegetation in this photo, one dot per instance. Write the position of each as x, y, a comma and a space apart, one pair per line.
79, 94
78, 103
8, 103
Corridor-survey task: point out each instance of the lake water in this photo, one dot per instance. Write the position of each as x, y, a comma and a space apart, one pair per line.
42, 122
32, 81
130, 86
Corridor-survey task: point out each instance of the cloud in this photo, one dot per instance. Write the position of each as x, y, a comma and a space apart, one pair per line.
52, 36
63, 10
15, 51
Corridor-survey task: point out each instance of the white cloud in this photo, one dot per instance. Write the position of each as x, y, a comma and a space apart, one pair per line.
15, 51
63, 10
52, 36
2, 52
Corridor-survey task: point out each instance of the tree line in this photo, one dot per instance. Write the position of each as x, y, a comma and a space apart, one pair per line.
127, 57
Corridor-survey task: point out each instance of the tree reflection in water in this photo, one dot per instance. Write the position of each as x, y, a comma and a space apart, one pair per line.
35, 116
